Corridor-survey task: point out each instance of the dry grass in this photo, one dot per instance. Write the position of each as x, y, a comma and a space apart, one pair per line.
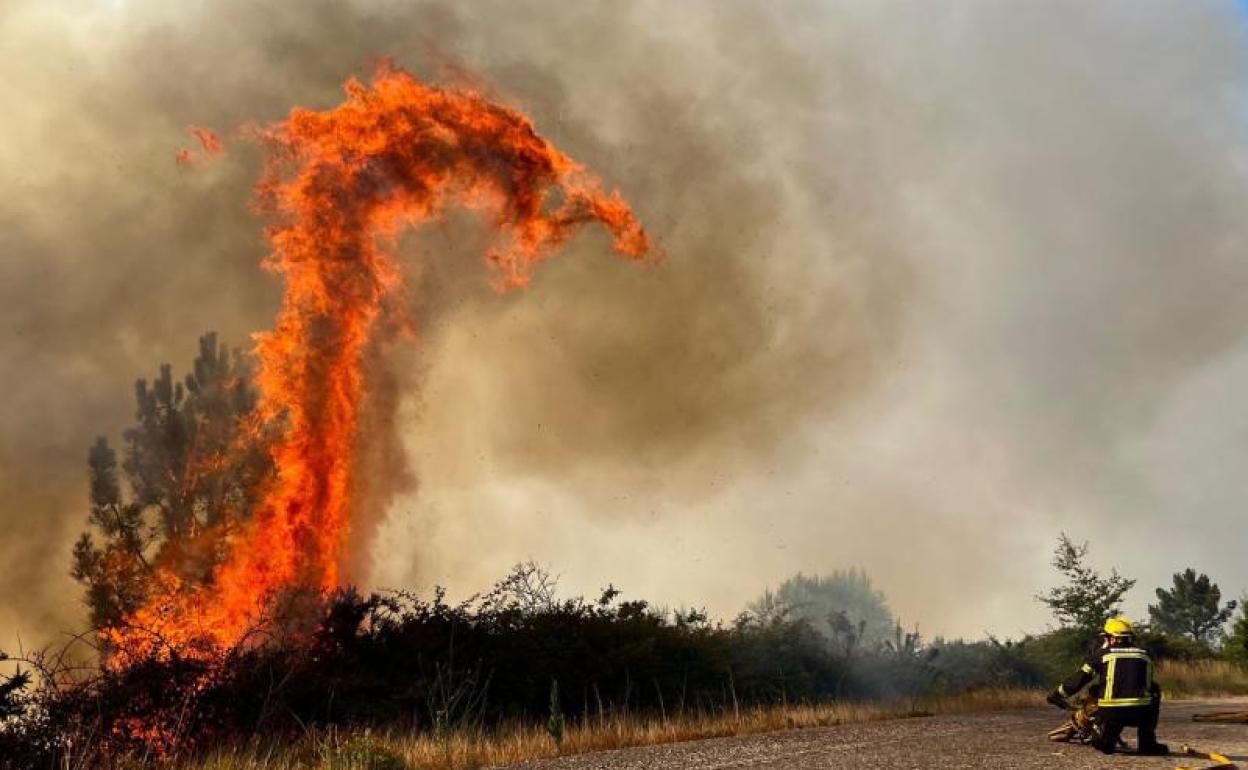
475, 749
1202, 678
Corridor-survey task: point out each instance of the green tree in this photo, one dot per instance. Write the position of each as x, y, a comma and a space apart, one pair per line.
1087, 598
843, 606
192, 466
1236, 645
1192, 608
114, 572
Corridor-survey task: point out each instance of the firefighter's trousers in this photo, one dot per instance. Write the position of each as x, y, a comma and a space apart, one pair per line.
1112, 720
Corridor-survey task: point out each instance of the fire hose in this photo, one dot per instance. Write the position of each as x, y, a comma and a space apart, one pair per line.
1223, 717
1218, 760
1079, 728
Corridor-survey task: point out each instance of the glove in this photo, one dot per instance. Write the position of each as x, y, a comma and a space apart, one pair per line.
1057, 699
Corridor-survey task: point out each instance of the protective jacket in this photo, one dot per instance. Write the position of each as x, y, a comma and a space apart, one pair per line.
1117, 677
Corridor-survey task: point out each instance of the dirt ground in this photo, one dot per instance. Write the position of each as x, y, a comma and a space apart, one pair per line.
1006, 740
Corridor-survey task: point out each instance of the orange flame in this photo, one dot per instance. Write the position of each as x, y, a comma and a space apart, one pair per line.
207, 139
341, 185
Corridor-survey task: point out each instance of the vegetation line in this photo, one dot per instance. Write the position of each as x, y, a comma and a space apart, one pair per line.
524, 742
1202, 678
463, 749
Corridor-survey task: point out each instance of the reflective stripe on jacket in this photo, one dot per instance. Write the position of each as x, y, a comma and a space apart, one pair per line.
1128, 678
1118, 677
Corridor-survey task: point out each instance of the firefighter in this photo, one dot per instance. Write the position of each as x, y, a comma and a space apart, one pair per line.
1119, 678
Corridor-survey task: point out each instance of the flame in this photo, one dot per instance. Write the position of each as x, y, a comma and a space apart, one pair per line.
208, 140
341, 185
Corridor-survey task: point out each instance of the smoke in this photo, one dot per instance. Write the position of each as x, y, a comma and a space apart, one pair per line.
940, 282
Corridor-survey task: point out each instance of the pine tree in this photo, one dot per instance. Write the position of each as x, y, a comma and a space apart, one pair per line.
192, 466
1235, 647
1192, 608
114, 573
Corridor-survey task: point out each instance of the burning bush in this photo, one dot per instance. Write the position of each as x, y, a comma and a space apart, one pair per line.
400, 661
343, 663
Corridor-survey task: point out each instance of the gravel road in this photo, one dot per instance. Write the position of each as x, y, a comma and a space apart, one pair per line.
1004, 740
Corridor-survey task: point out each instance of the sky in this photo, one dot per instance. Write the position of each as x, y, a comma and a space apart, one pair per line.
942, 281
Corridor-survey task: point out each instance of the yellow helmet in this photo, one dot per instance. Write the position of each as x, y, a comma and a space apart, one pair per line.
1119, 627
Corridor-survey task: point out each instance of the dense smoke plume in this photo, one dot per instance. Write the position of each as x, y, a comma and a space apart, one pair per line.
940, 282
